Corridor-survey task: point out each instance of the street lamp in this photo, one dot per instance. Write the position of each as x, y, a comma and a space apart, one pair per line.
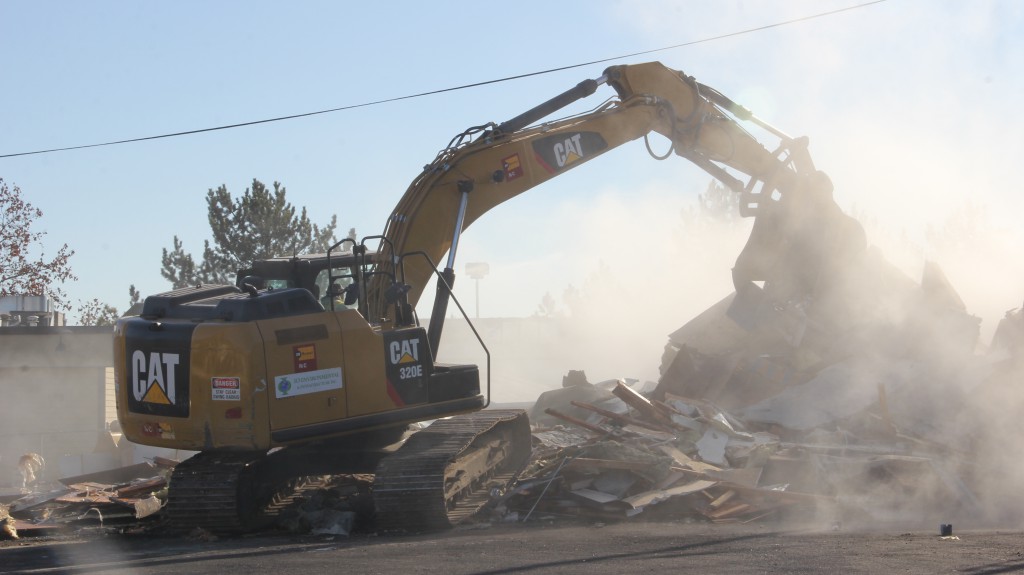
477, 271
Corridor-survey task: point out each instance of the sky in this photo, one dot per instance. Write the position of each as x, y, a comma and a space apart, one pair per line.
911, 106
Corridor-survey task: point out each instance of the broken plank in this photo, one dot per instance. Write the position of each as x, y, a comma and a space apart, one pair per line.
722, 499
639, 403
686, 461
607, 464
641, 500
578, 422
620, 418
649, 434
761, 494
746, 477
729, 511
142, 487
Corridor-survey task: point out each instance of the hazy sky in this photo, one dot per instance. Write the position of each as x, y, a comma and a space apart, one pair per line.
912, 106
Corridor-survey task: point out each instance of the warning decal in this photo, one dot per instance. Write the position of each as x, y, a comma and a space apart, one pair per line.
226, 388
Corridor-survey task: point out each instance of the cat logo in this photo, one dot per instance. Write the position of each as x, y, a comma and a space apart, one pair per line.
559, 152
405, 351
153, 377
568, 151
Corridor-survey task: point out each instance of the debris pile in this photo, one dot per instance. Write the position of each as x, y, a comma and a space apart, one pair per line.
120, 496
864, 401
620, 453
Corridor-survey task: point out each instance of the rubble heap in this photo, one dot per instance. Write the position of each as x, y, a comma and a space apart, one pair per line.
119, 497
617, 453
863, 399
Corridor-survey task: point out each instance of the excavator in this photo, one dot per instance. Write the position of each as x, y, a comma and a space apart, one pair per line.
318, 364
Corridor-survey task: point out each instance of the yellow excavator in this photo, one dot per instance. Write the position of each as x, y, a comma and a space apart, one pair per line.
318, 364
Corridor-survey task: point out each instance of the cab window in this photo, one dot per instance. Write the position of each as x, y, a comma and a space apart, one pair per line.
342, 279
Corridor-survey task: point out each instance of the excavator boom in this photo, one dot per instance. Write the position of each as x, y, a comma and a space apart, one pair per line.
488, 165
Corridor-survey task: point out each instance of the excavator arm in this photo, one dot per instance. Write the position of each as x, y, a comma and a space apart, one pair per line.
488, 165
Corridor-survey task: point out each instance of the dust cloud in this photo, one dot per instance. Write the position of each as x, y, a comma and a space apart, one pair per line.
908, 323
636, 267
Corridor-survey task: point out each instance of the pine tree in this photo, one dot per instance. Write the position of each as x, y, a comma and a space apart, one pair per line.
261, 224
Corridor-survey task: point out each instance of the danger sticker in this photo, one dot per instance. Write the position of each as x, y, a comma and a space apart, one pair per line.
226, 388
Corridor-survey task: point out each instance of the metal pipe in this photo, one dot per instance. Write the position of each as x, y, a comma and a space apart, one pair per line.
465, 186
447, 279
578, 92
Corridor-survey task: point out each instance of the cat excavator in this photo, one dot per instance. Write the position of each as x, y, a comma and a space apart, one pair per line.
318, 364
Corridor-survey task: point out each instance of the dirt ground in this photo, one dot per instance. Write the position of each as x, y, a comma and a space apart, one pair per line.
544, 546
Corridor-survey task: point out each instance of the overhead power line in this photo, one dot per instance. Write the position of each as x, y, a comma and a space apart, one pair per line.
452, 89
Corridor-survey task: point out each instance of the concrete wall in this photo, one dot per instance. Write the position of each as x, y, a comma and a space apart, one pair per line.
53, 390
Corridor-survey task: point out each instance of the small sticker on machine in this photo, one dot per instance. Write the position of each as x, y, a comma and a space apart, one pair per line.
226, 388
307, 382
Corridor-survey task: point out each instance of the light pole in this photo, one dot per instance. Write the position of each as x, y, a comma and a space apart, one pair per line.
477, 271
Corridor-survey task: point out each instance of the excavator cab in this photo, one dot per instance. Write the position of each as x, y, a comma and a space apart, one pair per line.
327, 276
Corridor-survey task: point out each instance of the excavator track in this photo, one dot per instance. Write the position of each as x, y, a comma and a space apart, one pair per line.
215, 491
437, 478
446, 472
231, 493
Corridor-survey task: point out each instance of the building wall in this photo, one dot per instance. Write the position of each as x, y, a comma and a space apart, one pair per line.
25, 310
54, 390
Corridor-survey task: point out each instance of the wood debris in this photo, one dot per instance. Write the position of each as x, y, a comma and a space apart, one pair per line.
634, 453
137, 493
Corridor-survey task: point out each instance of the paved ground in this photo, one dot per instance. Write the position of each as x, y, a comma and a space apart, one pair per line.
586, 548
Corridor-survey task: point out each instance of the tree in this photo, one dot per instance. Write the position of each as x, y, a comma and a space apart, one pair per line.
548, 307
259, 225
95, 312
21, 272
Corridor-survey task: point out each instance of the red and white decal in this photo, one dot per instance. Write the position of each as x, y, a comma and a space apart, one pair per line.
226, 388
